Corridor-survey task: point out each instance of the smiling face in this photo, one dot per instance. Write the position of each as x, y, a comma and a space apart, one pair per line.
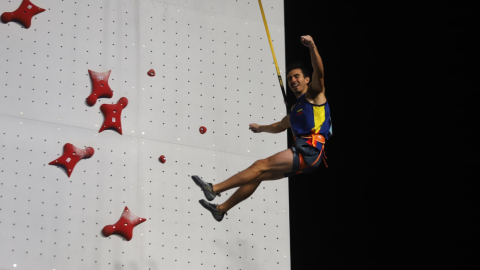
297, 82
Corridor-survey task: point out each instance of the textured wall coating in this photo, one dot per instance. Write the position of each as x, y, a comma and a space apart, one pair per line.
213, 68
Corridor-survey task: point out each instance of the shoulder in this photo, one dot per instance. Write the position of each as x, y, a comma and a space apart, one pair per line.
317, 99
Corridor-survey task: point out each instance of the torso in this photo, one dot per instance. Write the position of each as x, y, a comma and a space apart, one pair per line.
310, 116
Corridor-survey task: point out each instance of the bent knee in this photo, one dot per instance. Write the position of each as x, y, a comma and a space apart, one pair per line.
261, 165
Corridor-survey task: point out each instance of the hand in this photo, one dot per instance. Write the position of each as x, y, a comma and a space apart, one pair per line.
254, 128
307, 41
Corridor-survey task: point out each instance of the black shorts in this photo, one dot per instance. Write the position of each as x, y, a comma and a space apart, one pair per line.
306, 158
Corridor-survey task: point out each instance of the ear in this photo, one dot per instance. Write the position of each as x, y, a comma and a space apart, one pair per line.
307, 79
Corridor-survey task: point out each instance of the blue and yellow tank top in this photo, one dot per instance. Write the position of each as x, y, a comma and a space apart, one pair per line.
307, 119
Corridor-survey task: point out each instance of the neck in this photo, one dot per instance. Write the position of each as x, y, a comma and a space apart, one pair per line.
299, 94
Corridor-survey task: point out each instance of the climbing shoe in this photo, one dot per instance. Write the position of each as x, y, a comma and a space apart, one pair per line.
217, 215
206, 187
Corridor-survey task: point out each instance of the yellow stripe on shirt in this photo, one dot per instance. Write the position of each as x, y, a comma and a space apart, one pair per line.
319, 117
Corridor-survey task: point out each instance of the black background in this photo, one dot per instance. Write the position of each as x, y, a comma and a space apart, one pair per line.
402, 186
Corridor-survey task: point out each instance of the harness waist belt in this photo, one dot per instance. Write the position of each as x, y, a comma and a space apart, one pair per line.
315, 138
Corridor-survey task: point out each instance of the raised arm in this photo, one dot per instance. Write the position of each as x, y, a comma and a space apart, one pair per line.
273, 128
316, 86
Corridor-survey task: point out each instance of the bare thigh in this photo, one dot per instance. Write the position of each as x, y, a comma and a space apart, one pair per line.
281, 162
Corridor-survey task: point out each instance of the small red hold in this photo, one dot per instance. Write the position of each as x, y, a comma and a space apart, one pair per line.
113, 115
151, 73
163, 159
203, 130
100, 86
72, 155
23, 14
124, 225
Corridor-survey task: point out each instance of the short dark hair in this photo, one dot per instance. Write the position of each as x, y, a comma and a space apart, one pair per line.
301, 66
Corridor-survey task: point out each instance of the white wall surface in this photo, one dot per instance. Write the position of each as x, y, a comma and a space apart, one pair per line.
213, 68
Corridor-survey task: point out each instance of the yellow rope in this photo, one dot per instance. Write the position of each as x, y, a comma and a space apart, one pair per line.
273, 52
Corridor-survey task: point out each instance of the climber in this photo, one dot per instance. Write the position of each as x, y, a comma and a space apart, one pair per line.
311, 127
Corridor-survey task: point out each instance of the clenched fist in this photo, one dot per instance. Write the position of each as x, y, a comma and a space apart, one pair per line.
307, 41
254, 128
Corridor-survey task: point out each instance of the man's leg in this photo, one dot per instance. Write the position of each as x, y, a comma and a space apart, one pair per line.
246, 191
279, 163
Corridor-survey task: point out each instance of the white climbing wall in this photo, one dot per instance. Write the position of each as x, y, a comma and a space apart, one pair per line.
213, 68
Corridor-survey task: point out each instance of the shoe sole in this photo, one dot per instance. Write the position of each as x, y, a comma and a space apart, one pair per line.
199, 182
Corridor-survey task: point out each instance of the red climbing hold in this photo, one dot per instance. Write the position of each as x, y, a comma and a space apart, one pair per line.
100, 86
23, 14
72, 155
113, 114
203, 130
162, 159
151, 73
124, 225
